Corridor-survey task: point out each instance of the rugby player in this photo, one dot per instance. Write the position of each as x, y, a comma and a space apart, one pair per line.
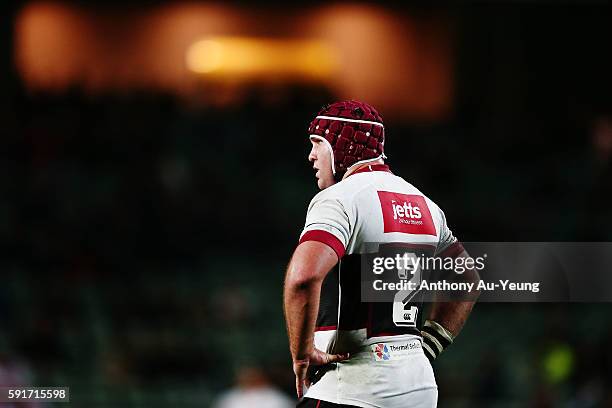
347, 352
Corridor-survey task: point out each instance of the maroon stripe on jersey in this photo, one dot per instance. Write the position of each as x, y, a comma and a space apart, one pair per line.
372, 167
397, 332
400, 331
326, 238
325, 328
453, 251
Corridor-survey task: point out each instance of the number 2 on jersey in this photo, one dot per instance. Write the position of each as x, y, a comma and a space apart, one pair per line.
405, 314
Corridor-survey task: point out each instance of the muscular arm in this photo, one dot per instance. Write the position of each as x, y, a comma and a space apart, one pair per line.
309, 265
451, 315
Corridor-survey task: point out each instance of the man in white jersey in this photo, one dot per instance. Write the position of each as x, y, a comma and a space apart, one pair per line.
349, 353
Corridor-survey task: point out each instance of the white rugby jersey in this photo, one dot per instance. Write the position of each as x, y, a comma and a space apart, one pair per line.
371, 205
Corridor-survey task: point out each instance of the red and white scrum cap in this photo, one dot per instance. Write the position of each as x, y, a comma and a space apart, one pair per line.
353, 131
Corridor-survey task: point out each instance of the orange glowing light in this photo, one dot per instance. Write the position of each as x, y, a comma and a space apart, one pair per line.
244, 56
400, 63
51, 44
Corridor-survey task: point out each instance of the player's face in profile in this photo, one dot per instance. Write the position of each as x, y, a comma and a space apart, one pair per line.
320, 156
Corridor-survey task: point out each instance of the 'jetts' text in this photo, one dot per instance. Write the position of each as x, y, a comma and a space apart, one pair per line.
405, 211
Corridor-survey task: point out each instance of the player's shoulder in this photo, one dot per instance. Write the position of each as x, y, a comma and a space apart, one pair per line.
330, 193
343, 190
414, 190
431, 203
434, 208
354, 186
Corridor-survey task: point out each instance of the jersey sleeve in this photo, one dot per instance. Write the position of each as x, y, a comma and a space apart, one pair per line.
327, 222
448, 244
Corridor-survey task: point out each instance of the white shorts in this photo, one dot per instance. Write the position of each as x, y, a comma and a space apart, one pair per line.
389, 372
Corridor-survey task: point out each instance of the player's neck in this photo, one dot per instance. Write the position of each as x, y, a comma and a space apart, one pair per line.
354, 169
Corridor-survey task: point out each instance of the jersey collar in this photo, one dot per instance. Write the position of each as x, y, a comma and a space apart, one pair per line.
371, 167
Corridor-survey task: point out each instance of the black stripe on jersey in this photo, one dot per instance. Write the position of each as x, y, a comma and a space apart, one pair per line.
376, 317
344, 282
328, 301
353, 313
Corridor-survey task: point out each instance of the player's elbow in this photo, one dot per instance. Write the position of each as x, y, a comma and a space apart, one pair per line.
300, 278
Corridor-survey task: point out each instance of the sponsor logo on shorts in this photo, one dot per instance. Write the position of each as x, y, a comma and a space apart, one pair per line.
381, 351
406, 213
385, 351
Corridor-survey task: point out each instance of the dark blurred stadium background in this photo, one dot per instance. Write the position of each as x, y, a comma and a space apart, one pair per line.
154, 182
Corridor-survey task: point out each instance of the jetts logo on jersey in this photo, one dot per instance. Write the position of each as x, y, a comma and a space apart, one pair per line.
406, 213
381, 352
